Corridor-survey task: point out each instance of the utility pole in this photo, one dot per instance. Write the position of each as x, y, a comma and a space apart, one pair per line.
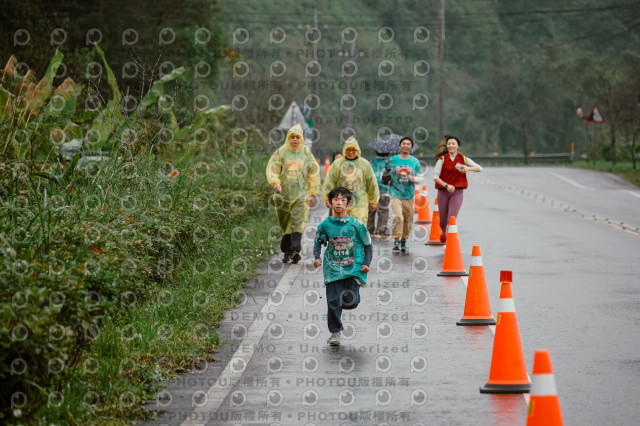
441, 73
352, 54
315, 51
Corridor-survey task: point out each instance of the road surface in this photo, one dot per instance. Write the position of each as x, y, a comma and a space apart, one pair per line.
571, 238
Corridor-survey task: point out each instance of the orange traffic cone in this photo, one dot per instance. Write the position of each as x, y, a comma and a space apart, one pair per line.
434, 235
477, 310
544, 407
508, 373
452, 265
327, 164
416, 195
424, 215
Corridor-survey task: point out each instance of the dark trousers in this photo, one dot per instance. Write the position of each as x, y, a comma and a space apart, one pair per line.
291, 243
341, 294
382, 213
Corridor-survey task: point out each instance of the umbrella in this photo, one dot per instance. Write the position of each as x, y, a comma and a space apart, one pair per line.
292, 117
387, 144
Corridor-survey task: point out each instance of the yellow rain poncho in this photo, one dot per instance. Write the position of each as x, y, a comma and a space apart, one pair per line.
298, 173
357, 176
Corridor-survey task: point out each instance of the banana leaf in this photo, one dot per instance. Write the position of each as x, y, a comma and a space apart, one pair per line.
5, 102
67, 91
111, 77
10, 68
157, 88
44, 88
110, 119
201, 120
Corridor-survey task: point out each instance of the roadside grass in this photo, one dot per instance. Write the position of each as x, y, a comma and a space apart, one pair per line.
171, 330
123, 239
159, 330
623, 169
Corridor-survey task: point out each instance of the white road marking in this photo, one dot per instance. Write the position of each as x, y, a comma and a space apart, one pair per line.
465, 281
574, 183
564, 207
634, 193
228, 378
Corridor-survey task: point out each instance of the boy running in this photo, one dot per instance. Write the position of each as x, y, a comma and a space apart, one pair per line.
346, 259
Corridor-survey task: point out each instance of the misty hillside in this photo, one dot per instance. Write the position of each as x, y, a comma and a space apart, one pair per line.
513, 69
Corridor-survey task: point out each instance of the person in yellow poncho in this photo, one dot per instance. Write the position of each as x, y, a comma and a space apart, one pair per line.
294, 174
353, 172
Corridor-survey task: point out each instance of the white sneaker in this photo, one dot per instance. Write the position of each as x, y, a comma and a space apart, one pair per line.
334, 340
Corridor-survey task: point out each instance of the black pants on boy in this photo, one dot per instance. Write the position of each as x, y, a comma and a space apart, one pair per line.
341, 294
291, 243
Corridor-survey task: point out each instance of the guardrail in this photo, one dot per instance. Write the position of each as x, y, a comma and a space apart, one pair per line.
519, 159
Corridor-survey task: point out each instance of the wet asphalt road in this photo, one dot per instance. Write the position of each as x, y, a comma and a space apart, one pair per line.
571, 238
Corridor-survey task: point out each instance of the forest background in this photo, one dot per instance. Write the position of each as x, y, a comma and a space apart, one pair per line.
515, 74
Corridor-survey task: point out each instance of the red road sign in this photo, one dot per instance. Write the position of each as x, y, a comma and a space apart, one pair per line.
595, 116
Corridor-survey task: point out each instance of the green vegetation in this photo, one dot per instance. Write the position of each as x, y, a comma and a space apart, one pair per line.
132, 207
143, 40
121, 233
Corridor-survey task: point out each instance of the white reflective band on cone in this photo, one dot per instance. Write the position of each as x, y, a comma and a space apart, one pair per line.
506, 305
453, 229
543, 385
435, 208
476, 261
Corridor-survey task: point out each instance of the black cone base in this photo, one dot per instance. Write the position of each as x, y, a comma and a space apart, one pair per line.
505, 388
477, 321
453, 274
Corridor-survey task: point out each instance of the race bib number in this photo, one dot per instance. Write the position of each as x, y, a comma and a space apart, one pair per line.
403, 173
341, 251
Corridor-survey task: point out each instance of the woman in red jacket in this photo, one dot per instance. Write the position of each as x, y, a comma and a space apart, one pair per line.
451, 181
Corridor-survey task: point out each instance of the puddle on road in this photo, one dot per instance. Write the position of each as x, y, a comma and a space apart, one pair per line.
507, 409
478, 338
